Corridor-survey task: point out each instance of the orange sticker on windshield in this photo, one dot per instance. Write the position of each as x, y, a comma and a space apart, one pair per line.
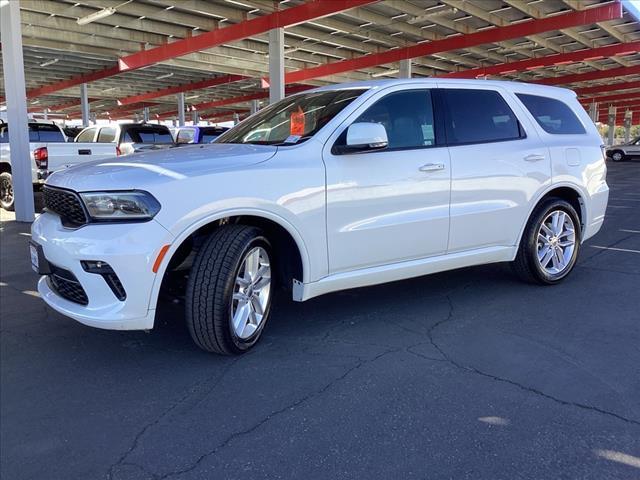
297, 122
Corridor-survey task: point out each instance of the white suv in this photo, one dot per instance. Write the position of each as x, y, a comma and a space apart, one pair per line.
346, 186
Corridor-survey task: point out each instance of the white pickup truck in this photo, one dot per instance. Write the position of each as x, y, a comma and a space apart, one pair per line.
49, 151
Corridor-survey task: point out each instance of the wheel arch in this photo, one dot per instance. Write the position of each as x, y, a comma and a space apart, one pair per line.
569, 192
5, 167
285, 237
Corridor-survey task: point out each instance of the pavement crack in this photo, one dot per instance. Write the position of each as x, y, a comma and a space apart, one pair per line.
273, 415
521, 386
136, 439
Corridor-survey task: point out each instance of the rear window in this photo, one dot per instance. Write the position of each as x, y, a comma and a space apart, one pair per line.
478, 116
107, 135
552, 115
37, 133
148, 134
86, 135
48, 133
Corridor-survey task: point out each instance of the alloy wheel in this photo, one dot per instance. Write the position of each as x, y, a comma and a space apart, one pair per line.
556, 242
251, 293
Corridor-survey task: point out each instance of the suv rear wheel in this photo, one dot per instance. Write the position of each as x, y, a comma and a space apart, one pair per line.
6, 191
550, 244
229, 290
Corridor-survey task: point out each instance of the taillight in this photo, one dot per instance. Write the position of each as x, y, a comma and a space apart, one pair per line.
118, 151
41, 156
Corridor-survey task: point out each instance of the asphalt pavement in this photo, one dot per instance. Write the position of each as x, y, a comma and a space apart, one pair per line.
468, 374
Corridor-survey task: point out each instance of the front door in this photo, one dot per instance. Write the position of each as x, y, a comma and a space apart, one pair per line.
390, 205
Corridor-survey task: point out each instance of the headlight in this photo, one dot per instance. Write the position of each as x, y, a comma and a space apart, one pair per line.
118, 206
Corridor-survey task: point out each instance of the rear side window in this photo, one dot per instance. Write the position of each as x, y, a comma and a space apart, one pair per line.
186, 135
552, 115
86, 135
478, 116
107, 135
407, 117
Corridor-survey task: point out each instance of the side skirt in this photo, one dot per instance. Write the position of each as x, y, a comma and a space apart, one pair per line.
402, 270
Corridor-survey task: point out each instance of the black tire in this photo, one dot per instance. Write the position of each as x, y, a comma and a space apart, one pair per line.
618, 156
211, 285
6, 192
526, 264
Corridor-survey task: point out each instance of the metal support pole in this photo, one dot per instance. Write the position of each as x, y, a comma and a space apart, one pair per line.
405, 68
593, 112
611, 120
84, 104
276, 65
145, 114
236, 119
194, 117
181, 109
627, 126
16, 99
255, 106
45, 114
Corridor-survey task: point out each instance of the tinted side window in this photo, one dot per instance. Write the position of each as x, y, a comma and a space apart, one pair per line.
148, 134
407, 116
552, 115
107, 135
86, 135
478, 116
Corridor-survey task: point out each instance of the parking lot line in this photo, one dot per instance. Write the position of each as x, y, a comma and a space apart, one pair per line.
629, 231
616, 249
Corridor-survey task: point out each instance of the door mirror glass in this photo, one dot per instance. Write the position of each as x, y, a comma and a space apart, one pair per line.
364, 136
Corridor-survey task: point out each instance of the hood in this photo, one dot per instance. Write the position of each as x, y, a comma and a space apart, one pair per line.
160, 166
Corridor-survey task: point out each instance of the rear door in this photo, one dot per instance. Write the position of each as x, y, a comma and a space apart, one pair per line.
498, 164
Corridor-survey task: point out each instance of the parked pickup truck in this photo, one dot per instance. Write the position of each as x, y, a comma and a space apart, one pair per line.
129, 138
49, 151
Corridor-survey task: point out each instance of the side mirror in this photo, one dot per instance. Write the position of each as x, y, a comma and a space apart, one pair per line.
366, 136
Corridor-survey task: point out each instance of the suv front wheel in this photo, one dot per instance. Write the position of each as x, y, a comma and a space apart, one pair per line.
229, 290
550, 244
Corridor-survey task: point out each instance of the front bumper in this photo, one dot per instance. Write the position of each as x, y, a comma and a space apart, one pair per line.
129, 248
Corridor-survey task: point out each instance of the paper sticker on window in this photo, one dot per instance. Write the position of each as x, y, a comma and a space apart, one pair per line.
297, 122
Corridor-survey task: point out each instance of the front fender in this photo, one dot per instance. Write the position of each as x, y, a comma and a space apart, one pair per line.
181, 233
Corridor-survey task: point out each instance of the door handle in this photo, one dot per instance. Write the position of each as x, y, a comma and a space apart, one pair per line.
534, 157
431, 167
84, 152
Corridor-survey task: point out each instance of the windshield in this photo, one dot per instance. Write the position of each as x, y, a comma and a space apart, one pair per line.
291, 120
148, 134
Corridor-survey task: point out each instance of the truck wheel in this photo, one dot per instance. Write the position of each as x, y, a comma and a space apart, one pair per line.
618, 156
229, 290
6, 191
550, 244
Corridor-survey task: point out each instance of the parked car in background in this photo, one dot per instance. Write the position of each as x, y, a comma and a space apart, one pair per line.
347, 186
129, 137
197, 134
49, 152
625, 151
71, 132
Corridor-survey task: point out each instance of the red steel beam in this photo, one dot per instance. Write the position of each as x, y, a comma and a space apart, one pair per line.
595, 75
621, 104
609, 87
605, 12
611, 98
246, 98
212, 82
548, 61
72, 82
282, 18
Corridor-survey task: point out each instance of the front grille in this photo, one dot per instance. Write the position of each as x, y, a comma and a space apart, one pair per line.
65, 284
65, 203
115, 285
